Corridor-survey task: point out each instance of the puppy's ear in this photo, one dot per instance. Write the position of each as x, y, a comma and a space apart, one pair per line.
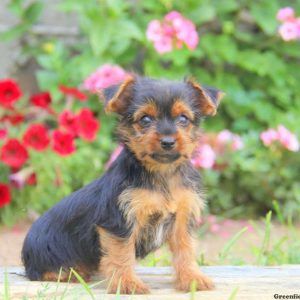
208, 97
117, 97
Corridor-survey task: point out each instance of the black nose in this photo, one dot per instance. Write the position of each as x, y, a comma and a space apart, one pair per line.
167, 142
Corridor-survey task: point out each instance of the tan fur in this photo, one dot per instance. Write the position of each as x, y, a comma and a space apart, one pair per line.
117, 263
120, 101
140, 204
182, 246
147, 109
179, 107
65, 276
208, 108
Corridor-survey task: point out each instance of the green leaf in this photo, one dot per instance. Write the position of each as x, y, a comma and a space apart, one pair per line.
14, 32
46, 79
129, 29
120, 46
33, 12
225, 6
100, 38
117, 7
203, 13
220, 48
45, 61
16, 7
264, 13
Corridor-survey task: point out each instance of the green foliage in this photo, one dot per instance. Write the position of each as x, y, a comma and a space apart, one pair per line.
28, 16
253, 178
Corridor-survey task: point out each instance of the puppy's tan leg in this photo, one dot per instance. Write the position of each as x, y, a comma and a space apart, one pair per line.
182, 246
117, 264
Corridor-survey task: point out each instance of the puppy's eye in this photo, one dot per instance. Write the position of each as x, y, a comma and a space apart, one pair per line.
183, 120
146, 121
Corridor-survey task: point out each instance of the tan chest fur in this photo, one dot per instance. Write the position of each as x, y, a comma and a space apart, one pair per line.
143, 207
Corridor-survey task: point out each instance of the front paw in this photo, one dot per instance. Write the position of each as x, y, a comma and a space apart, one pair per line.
202, 283
128, 286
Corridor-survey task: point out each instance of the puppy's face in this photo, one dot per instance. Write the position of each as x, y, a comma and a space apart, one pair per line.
160, 119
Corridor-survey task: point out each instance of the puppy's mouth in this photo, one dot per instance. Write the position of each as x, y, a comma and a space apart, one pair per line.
165, 158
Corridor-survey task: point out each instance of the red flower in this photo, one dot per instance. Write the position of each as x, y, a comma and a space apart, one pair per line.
5, 196
31, 180
3, 133
9, 92
87, 125
41, 100
13, 153
63, 143
74, 92
67, 120
13, 119
36, 136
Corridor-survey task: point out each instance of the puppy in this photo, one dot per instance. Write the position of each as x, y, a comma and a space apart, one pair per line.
150, 195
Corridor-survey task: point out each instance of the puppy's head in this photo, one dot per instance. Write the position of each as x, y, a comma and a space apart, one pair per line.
159, 119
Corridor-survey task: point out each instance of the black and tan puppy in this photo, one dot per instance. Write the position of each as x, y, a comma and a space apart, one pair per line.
150, 195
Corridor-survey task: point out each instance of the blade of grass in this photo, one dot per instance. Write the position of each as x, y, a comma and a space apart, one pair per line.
83, 283
278, 212
233, 293
110, 282
193, 290
57, 282
265, 243
118, 293
6, 286
66, 287
228, 246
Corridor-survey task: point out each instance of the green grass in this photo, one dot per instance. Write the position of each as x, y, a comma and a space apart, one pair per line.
229, 245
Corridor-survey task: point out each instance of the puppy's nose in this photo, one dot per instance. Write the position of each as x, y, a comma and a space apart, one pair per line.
167, 142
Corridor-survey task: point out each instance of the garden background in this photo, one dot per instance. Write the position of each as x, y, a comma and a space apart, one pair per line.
55, 137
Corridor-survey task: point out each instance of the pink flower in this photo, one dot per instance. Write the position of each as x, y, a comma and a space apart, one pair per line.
289, 31
172, 32
211, 219
114, 156
269, 136
227, 137
3, 133
154, 31
205, 157
285, 14
224, 136
104, 77
173, 15
237, 143
214, 228
19, 178
163, 45
288, 139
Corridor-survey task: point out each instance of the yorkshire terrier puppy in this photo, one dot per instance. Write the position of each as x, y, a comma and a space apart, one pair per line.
149, 196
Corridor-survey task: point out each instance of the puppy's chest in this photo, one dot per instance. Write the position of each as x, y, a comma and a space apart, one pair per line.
154, 214
154, 233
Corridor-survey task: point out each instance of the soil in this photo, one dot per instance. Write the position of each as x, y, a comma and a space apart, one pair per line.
210, 244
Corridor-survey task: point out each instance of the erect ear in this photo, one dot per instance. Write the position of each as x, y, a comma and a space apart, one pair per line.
117, 97
208, 97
